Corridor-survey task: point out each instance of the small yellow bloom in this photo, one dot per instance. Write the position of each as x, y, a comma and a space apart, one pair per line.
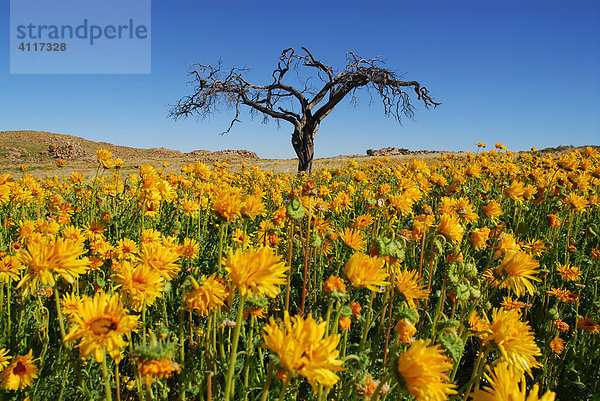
409, 285
303, 348
516, 271
568, 272
99, 324
423, 369
450, 227
557, 345
513, 339
20, 373
256, 271
366, 271
353, 239
508, 383
406, 330
206, 297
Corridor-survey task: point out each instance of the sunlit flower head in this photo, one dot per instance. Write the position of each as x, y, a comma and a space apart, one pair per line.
334, 284
206, 297
577, 202
364, 220
20, 373
227, 202
48, 257
479, 237
406, 330
424, 370
100, 324
450, 227
513, 339
493, 209
252, 207
161, 258
515, 191
10, 269
189, 249
70, 303
408, 283
126, 249
140, 284
509, 303
353, 239
566, 296
516, 271
506, 383
256, 271
304, 349
568, 272
366, 272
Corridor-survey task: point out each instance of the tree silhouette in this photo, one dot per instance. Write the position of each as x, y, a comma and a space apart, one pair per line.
304, 105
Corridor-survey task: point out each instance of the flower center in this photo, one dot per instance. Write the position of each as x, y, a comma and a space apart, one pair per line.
103, 325
20, 369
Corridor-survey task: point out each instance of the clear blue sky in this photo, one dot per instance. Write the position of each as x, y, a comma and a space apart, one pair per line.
525, 73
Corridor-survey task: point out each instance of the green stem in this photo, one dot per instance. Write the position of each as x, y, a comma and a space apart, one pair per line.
107, 390
265, 391
234, 346
367, 323
289, 273
286, 383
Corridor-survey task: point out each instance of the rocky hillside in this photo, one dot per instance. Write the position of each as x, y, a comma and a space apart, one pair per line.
39, 147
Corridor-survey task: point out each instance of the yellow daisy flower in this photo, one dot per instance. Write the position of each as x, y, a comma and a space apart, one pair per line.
256, 271
20, 373
366, 271
303, 348
508, 384
100, 324
423, 369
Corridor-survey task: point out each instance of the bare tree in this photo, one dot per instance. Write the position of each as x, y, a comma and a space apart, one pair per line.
307, 103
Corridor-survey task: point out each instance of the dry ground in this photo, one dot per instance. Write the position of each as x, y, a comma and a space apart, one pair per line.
31, 148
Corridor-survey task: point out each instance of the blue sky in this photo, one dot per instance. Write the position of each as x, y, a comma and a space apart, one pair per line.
525, 73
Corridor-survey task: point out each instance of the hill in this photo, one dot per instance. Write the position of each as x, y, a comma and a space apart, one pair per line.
39, 150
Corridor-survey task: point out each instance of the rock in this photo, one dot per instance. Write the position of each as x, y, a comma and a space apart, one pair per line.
65, 150
239, 153
388, 152
165, 152
397, 151
200, 152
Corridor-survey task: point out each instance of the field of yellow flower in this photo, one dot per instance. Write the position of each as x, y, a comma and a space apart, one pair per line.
474, 278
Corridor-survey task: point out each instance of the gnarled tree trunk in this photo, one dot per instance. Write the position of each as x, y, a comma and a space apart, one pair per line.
303, 141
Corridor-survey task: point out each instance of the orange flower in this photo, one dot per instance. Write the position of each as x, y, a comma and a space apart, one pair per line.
353, 238
557, 345
561, 326
406, 330
356, 308
450, 227
345, 323
334, 284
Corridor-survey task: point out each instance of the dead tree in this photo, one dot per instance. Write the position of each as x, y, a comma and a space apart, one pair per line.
305, 104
